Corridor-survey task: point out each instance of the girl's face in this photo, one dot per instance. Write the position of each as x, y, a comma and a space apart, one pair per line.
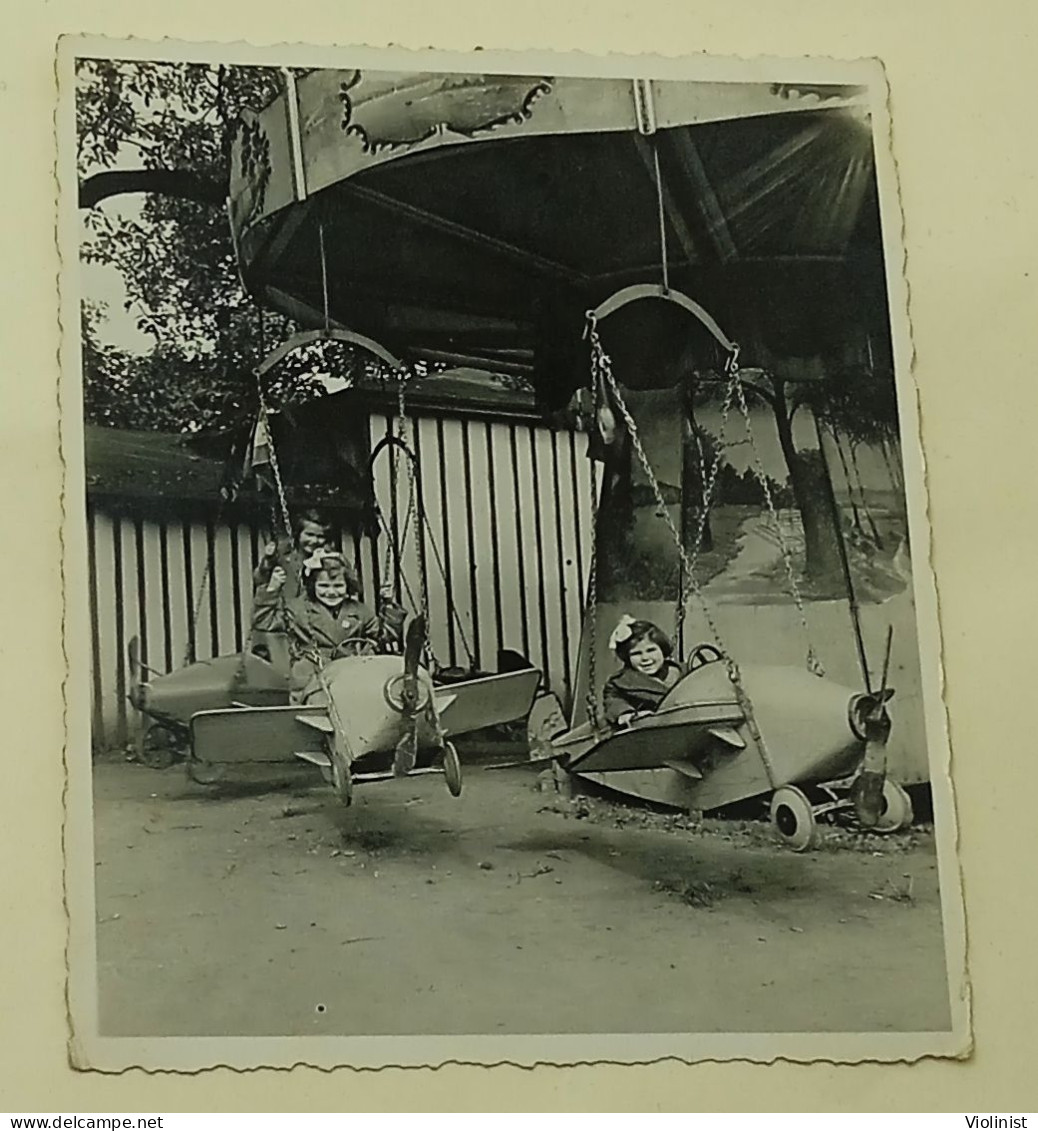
311, 537
330, 590
646, 657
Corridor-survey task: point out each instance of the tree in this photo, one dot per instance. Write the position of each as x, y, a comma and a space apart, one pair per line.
807, 473
731, 488
179, 119
168, 391
855, 399
175, 257
797, 338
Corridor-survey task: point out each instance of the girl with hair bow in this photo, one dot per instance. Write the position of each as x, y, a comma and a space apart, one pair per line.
648, 671
322, 619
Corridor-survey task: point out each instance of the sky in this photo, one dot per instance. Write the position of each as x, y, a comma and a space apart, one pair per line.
104, 284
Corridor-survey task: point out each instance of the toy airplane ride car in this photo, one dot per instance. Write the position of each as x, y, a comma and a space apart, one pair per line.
363, 718
813, 744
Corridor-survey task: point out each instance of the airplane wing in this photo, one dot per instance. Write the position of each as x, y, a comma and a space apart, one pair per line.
259, 734
668, 738
487, 701
443, 700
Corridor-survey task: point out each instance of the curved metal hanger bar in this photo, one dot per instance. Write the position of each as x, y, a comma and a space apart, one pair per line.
391, 442
306, 337
639, 291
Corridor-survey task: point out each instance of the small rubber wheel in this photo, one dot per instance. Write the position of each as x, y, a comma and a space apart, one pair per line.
897, 809
452, 769
793, 818
160, 747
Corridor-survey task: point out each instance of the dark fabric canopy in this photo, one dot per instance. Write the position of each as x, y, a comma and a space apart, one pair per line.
443, 225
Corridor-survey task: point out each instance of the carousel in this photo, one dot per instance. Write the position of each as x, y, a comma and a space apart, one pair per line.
592, 237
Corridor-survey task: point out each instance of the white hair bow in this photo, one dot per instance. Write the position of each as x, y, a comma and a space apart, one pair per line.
315, 563
622, 632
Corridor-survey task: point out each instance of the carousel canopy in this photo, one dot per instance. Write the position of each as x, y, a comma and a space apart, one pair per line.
473, 219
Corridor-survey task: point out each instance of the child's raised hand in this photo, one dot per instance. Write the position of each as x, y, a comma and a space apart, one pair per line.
277, 580
627, 718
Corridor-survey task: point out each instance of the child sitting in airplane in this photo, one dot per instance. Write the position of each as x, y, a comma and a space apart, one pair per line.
313, 532
319, 622
648, 671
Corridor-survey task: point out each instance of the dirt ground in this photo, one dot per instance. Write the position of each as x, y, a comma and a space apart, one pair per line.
255, 911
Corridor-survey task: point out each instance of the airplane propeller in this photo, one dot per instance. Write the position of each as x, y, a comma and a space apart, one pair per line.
407, 694
156, 740
413, 696
874, 720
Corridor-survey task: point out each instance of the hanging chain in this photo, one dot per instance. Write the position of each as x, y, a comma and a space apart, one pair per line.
844, 465
732, 367
403, 576
278, 512
592, 599
406, 434
387, 553
191, 648
423, 566
403, 432
421, 527
395, 540
275, 467
709, 483
603, 365
605, 368
452, 610
814, 664
390, 549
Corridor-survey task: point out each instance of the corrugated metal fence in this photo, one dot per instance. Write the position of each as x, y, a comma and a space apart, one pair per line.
506, 544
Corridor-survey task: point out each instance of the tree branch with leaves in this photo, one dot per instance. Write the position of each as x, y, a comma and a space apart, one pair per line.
166, 130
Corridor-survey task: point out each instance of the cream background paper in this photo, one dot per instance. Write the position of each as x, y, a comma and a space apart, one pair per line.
967, 174
545, 1046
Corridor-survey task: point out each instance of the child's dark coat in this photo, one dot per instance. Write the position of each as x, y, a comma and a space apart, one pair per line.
292, 564
313, 631
630, 690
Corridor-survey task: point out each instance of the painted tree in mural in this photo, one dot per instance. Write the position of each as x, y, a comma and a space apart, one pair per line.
811, 344
859, 409
807, 472
854, 404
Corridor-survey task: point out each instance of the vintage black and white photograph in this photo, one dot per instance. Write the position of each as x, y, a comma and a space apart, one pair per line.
500, 620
